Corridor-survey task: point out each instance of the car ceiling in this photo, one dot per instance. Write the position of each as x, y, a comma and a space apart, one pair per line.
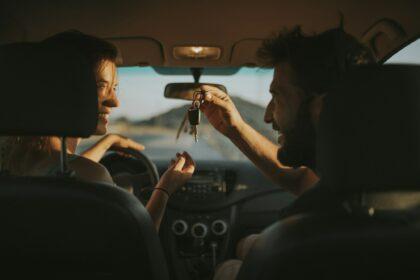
146, 31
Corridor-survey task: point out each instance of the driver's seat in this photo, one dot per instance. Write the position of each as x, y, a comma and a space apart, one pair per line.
59, 227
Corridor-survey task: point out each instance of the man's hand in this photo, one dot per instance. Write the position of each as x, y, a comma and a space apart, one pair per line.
223, 115
220, 111
112, 142
178, 173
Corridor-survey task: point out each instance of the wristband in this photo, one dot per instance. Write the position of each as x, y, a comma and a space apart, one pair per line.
165, 191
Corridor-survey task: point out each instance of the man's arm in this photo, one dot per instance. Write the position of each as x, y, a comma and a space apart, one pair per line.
263, 153
223, 115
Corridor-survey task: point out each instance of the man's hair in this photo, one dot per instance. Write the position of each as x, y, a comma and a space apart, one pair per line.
319, 60
93, 48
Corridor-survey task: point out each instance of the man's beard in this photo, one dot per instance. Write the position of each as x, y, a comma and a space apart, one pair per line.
300, 142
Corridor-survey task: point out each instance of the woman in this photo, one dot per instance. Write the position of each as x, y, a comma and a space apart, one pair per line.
37, 156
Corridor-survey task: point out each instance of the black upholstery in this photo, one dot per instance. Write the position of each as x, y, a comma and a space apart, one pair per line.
322, 246
63, 228
46, 91
368, 156
369, 132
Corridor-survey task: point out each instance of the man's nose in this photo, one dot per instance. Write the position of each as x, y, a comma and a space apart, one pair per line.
268, 116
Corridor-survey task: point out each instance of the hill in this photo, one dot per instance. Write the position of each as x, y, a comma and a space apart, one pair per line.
252, 114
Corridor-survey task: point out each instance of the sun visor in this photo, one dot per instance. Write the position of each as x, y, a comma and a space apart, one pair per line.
244, 52
46, 91
138, 51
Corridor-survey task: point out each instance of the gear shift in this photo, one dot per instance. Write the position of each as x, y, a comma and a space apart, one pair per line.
213, 246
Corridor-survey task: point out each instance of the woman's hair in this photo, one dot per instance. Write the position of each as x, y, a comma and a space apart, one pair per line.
96, 50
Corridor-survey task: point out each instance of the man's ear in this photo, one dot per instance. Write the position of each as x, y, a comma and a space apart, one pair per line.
316, 108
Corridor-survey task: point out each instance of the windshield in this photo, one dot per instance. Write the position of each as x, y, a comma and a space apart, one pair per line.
146, 116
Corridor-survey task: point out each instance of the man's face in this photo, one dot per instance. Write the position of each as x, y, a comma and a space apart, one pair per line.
106, 82
289, 113
285, 101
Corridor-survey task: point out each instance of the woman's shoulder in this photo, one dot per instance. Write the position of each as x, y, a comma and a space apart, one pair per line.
89, 170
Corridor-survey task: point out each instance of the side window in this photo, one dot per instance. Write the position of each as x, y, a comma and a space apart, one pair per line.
408, 55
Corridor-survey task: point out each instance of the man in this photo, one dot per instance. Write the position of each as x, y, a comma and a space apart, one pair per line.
306, 68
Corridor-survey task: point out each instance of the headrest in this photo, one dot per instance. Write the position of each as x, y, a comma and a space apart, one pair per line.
369, 132
46, 91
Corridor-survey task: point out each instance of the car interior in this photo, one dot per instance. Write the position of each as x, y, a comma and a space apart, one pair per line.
59, 226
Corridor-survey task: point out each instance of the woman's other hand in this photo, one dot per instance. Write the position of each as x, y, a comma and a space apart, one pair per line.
178, 173
111, 142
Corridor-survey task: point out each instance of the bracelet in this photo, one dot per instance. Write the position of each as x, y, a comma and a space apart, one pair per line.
162, 189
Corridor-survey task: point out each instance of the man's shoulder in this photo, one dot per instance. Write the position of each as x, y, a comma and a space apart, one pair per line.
319, 198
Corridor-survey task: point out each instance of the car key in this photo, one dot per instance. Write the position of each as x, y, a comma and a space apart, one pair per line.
194, 116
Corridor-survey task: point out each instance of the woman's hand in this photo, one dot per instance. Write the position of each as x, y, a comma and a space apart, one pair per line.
111, 142
179, 172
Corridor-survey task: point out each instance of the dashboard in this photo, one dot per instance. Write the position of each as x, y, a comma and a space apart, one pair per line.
219, 184
222, 203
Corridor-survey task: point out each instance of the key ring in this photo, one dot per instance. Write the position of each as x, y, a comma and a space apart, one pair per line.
197, 102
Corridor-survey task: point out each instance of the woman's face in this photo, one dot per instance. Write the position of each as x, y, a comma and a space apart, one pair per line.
107, 83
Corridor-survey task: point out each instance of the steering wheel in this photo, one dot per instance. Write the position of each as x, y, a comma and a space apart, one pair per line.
137, 173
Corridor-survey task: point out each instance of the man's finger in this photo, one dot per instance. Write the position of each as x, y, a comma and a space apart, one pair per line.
212, 99
214, 90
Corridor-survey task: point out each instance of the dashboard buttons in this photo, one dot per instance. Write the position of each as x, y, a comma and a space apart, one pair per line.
219, 227
199, 230
179, 227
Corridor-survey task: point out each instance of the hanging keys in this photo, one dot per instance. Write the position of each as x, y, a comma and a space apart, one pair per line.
194, 116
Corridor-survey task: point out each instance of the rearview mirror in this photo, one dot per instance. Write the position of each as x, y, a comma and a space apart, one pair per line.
186, 90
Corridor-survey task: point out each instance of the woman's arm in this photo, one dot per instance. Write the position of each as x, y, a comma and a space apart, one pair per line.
179, 172
112, 142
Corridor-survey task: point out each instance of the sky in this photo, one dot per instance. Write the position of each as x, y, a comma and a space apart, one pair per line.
141, 88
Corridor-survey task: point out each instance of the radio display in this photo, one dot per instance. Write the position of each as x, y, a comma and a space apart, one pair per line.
205, 182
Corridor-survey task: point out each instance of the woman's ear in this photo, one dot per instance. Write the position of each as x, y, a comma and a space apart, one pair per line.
316, 108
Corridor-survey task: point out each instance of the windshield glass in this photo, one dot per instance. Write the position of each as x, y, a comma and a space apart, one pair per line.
146, 116
409, 54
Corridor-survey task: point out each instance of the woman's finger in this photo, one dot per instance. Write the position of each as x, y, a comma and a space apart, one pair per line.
189, 166
134, 145
123, 154
189, 169
189, 159
180, 162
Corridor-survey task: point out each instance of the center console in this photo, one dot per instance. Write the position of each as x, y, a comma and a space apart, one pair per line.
198, 235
